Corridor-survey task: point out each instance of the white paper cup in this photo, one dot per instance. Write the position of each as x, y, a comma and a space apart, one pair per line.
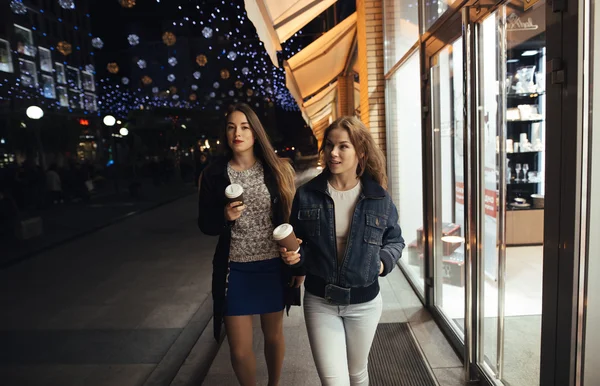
234, 192
284, 235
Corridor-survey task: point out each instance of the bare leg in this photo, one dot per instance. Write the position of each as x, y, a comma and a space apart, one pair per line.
272, 328
239, 335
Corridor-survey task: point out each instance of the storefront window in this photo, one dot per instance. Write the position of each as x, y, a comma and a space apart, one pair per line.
88, 81
73, 79
89, 101
45, 59
591, 360
28, 73
48, 87
5, 57
403, 107
60, 73
449, 204
24, 40
75, 99
63, 97
433, 10
401, 29
512, 105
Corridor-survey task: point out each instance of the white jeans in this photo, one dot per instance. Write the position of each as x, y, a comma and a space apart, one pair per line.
340, 338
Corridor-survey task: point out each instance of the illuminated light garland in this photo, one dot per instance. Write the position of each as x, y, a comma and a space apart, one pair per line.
113, 68
64, 48
169, 38
127, 3
201, 60
97, 43
146, 80
250, 65
18, 7
133, 40
67, 4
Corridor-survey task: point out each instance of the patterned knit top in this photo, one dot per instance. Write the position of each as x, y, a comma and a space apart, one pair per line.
252, 233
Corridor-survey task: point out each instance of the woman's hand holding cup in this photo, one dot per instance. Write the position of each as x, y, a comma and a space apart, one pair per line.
291, 257
235, 205
234, 210
288, 242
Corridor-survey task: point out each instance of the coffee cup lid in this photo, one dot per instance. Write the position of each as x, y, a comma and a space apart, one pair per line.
234, 190
282, 231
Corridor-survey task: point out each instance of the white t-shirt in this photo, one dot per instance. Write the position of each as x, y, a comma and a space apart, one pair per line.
344, 204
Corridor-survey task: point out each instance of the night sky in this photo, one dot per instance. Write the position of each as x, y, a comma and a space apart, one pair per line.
237, 67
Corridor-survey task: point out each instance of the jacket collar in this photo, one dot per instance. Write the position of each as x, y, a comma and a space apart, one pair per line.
370, 188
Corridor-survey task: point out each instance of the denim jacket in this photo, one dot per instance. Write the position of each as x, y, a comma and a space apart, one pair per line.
374, 238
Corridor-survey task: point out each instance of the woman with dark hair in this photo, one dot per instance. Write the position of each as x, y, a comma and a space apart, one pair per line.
248, 275
351, 235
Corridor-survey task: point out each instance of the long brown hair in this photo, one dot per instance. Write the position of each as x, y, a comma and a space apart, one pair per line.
370, 157
263, 150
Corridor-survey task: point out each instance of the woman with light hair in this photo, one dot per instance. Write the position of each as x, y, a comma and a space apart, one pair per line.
351, 237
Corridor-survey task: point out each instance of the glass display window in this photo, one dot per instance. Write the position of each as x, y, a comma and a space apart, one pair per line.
48, 87
24, 41
6, 64
45, 59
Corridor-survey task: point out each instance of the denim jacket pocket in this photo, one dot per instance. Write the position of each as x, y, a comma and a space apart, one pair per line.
373, 237
308, 219
374, 227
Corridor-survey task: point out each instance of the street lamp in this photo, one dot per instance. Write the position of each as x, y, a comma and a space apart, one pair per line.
34, 112
124, 131
109, 120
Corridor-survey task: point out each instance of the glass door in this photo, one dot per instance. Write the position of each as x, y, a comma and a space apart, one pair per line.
448, 180
509, 132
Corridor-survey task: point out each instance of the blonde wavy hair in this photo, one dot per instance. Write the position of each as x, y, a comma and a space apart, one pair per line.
264, 151
371, 159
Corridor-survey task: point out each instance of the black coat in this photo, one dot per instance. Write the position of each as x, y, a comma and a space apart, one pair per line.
211, 221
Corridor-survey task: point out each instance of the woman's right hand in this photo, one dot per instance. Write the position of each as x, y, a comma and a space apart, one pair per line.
234, 210
291, 257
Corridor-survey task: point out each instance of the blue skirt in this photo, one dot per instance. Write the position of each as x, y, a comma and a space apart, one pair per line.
255, 288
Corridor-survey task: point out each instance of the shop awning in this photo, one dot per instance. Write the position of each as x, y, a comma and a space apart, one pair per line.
320, 63
277, 20
319, 128
322, 105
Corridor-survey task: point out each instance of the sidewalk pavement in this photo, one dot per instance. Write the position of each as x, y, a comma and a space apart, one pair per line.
64, 222
400, 304
122, 306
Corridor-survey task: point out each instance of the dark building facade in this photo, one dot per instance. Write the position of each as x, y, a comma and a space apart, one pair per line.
46, 60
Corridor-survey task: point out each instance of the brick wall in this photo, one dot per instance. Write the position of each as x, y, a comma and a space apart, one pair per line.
370, 63
345, 95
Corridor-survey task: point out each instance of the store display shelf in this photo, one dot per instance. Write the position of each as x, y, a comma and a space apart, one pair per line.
525, 152
517, 209
523, 183
524, 120
525, 95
